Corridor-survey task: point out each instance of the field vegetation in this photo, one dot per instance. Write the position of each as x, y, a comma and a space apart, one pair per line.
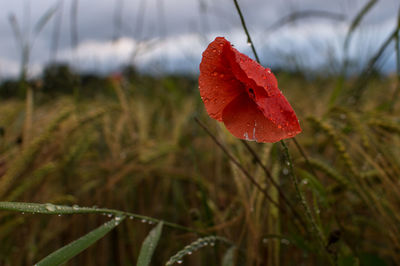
137, 157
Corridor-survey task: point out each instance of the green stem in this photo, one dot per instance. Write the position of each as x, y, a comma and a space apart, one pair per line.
315, 229
249, 41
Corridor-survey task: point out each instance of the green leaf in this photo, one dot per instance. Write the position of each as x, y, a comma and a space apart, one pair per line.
229, 257
69, 251
149, 245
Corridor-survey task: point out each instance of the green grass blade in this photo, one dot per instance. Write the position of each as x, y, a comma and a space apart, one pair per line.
48, 208
189, 249
44, 19
357, 20
149, 245
69, 251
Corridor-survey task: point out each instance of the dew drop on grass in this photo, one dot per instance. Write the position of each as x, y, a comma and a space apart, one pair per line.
285, 171
109, 215
285, 241
117, 218
143, 221
179, 261
189, 253
131, 217
50, 207
75, 207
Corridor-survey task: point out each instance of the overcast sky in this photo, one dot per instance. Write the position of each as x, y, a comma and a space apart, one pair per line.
170, 35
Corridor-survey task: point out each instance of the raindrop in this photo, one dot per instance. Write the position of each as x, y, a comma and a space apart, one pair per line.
109, 215
75, 207
214, 50
248, 42
50, 207
305, 182
189, 253
212, 244
287, 163
59, 215
285, 171
143, 221
285, 241
22, 213
279, 126
246, 136
131, 217
179, 261
117, 218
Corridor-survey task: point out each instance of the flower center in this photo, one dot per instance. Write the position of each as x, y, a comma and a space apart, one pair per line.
251, 93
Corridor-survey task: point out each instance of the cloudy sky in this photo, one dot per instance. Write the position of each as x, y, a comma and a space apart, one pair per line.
170, 35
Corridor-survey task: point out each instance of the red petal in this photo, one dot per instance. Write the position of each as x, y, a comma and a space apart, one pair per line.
244, 95
246, 121
217, 83
265, 92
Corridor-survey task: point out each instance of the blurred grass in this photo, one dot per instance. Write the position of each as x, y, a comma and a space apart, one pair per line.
130, 143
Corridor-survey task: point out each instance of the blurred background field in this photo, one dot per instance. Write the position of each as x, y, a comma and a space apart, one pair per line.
122, 135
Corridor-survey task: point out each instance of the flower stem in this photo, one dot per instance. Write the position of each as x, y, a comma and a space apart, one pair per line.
249, 41
314, 227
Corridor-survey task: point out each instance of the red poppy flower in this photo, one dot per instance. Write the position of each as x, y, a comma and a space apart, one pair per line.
244, 95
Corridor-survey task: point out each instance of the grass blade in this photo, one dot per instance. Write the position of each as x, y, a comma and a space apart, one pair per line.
44, 19
357, 21
48, 208
149, 245
69, 251
189, 249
